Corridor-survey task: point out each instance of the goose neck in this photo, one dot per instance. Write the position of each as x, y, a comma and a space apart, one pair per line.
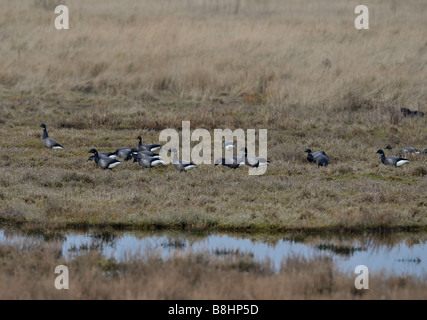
45, 135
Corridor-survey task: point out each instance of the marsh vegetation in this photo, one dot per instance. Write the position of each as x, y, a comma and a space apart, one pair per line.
296, 68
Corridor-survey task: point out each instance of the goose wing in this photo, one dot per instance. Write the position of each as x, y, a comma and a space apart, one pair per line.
52, 143
395, 161
252, 161
322, 160
318, 153
107, 163
149, 147
188, 165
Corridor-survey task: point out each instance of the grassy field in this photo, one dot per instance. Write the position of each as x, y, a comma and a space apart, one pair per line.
296, 68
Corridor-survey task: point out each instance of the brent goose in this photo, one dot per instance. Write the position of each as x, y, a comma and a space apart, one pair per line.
181, 165
147, 146
404, 152
124, 153
322, 160
392, 161
312, 157
147, 161
254, 161
48, 141
102, 161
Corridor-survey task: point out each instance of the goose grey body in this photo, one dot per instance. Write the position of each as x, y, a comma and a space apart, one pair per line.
144, 153
231, 162
147, 161
102, 154
254, 161
102, 161
312, 157
392, 161
406, 151
124, 153
147, 146
107, 154
181, 165
410, 149
48, 141
322, 160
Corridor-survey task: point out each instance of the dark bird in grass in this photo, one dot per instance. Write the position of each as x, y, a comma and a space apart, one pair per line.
231, 162
392, 161
147, 161
147, 146
409, 113
312, 157
123, 153
107, 154
48, 141
254, 161
406, 151
322, 160
102, 161
144, 153
103, 154
181, 165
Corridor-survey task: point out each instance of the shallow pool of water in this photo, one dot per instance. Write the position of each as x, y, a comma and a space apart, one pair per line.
397, 253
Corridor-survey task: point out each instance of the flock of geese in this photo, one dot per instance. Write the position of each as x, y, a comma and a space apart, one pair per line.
322, 159
144, 154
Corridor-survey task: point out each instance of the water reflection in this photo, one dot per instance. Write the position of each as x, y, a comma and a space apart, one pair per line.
400, 253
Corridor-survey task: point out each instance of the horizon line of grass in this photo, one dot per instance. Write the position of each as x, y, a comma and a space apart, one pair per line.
265, 228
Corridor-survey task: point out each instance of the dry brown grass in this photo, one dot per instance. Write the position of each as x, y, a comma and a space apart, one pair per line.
129, 68
296, 68
27, 272
292, 52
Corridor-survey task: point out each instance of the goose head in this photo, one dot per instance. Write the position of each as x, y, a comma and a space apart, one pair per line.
381, 152
388, 147
139, 138
43, 126
308, 150
93, 151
